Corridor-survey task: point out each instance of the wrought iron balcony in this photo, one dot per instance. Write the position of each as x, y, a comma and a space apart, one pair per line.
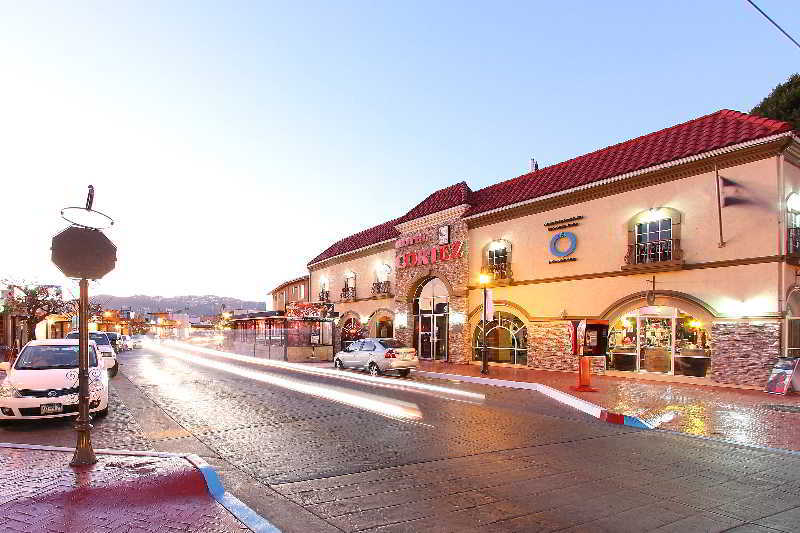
324, 296
381, 287
349, 293
654, 252
498, 271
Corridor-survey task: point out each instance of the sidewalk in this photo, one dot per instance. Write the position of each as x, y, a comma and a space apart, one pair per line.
737, 415
40, 492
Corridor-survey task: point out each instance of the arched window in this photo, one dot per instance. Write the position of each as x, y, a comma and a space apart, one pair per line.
793, 323
506, 339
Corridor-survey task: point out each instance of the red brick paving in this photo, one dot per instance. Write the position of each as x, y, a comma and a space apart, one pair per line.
40, 492
738, 415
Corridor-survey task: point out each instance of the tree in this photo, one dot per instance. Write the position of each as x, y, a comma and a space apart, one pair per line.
34, 302
783, 103
72, 308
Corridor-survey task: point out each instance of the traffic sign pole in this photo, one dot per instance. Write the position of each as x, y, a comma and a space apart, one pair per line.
84, 454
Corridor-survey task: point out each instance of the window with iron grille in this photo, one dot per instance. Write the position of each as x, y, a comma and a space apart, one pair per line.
654, 241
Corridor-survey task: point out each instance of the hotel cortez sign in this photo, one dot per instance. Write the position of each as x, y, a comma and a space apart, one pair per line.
429, 256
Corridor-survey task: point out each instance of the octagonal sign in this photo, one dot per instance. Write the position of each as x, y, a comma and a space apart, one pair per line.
83, 253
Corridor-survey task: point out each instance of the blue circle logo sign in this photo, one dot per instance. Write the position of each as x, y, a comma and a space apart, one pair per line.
573, 243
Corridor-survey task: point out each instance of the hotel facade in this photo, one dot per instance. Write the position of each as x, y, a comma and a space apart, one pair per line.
685, 242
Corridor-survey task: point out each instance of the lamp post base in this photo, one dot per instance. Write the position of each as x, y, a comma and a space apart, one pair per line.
84, 454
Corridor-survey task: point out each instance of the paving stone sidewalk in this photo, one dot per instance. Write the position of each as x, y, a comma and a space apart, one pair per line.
121, 493
738, 415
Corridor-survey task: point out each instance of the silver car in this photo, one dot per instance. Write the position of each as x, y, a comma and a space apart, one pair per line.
378, 356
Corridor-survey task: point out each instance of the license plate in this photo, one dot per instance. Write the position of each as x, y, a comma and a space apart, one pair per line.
52, 408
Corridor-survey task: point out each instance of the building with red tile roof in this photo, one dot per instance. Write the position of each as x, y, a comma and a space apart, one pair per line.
678, 250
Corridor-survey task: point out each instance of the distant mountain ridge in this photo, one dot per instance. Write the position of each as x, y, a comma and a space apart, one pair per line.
193, 305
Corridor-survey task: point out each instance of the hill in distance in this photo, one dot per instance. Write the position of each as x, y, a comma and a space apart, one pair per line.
192, 305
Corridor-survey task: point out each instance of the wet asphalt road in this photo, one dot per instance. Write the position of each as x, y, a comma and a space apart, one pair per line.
323, 453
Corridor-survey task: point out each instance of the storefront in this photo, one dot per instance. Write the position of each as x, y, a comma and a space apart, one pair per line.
662, 340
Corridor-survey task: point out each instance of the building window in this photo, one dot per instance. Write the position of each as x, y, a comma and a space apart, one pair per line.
498, 260
349, 289
324, 291
506, 340
302, 291
793, 224
381, 285
654, 241
294, 292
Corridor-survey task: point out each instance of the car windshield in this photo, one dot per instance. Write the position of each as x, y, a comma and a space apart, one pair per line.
52, 356
98, 338
391, 343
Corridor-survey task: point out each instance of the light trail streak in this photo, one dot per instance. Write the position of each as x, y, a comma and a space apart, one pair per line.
388, 407
455, 394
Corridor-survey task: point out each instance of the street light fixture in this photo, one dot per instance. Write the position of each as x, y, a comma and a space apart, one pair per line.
484, 279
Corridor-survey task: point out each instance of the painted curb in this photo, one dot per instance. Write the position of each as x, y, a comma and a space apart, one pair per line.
580, 404
234, 505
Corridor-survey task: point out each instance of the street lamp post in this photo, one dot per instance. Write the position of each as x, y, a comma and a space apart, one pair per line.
484, 279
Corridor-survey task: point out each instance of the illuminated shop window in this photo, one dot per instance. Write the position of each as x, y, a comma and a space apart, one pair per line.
506, 339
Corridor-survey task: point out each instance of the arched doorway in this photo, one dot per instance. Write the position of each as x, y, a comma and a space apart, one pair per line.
660, 339
351, 332
506, 339
431, 320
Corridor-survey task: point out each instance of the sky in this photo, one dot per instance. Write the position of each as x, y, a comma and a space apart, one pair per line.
234, 141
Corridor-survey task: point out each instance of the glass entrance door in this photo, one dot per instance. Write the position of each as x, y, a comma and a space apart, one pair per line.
431, 318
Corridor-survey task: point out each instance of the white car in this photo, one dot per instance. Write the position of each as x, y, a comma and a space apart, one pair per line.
378, 356
104, 348
136, 342
42, 381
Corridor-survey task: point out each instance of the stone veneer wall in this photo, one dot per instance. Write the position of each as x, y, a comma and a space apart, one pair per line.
454, 272
550, 346
743, 353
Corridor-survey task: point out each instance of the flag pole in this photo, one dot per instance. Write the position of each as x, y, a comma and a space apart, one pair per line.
719, 206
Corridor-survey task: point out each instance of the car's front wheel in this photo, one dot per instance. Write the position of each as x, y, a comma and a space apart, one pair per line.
338, 364
404, 373
101, 413
113, 370
374, 370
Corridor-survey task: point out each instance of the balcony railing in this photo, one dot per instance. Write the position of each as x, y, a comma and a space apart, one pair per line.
349, 293
324, 296
793, 241
381, 287
654, 252
498, 271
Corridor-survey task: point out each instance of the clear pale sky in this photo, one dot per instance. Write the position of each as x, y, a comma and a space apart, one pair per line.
234, 141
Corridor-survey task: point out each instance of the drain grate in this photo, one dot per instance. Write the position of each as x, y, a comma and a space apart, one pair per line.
784, 408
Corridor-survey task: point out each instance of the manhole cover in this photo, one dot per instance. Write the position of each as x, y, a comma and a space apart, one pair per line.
785, 408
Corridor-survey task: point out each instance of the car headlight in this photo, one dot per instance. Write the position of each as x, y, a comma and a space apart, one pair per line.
9, 392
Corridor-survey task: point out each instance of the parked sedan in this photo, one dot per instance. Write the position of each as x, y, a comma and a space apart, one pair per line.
104, 348
378, 356
42, 381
